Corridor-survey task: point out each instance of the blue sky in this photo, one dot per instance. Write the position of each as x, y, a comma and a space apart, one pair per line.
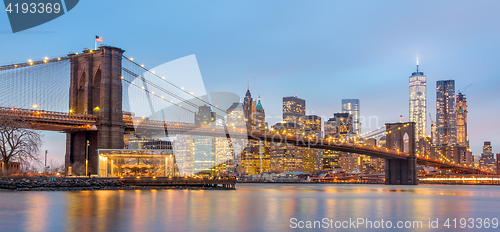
322, 51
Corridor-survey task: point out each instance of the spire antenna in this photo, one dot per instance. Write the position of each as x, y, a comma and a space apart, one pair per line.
417, 64
248, 84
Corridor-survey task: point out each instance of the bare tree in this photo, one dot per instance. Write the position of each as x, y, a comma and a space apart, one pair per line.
18, 141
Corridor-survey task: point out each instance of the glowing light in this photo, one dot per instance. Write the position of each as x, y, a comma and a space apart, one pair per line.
182, 88
30, 60
35, 106
46, 58
142, 65
131, 59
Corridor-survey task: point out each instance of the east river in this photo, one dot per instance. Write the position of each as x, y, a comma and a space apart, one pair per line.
256, 207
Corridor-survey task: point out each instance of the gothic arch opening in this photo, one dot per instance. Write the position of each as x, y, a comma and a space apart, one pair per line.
96, 92
80, 94
395, 142
406, 145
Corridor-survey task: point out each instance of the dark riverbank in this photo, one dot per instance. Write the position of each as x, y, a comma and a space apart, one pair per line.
91, 184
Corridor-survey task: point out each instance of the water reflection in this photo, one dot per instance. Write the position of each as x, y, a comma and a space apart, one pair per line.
249, 208
36, 218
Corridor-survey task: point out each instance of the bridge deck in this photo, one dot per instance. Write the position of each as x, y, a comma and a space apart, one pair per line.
68, 122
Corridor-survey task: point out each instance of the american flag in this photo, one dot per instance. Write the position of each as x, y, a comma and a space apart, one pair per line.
98, 39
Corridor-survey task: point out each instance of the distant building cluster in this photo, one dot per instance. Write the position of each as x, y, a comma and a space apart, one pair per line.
449, 140
212, 155
262, 156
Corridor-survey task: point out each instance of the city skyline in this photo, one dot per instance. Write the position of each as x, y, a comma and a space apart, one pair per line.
372, 70
249, 115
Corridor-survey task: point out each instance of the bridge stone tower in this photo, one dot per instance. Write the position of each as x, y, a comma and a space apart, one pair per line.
95, 89
398, 171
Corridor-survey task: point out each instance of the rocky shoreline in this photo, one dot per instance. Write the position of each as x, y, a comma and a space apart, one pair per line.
82, 184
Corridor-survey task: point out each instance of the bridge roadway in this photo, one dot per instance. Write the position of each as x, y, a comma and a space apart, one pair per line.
70, 122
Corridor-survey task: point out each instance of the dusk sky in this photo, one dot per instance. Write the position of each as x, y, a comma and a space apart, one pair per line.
321, 51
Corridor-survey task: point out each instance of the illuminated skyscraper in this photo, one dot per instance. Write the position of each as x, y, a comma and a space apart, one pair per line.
204, 116
487, 159
249, 108
340, 126
446, 124
312, 125
293, 110
184, 154
255, 157
286, 157
344, 123
330, 128
462, 137
331, 157
203, 145
418, 103
260, 116
312, 157
351, 106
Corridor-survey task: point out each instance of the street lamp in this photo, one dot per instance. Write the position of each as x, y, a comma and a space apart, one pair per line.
87, 158
45, 166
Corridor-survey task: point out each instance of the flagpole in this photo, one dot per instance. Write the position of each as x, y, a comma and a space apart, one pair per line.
95, 47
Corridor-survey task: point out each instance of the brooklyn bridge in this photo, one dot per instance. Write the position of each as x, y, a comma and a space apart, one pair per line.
97, 84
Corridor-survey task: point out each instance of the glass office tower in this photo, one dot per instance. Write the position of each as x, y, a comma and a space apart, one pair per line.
462, 138
418, 103
351, 106
446, 124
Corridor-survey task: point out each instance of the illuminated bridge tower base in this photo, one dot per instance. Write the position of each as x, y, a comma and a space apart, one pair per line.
401, 137
95, 89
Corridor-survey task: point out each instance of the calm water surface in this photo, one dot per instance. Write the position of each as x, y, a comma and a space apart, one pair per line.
252, 207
